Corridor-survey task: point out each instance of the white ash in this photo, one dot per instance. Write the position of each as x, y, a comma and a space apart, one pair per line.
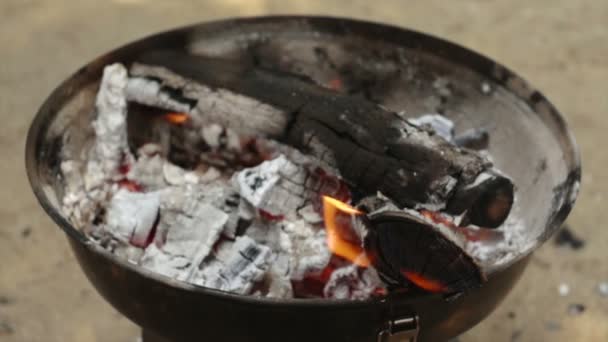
147, 172
273, 186
111, 145
131, 215
161, 262
129, 252
78, 204
237, 268
194, 236
352, 282
309, 214
175, 175
149, 92
307, 247
278, 283
87, 190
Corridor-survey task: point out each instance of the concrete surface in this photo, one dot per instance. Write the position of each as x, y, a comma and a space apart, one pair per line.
559, 45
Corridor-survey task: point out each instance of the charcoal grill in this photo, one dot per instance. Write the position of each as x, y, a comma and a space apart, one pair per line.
529, 141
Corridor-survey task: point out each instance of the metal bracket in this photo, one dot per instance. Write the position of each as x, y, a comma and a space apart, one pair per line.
400, 330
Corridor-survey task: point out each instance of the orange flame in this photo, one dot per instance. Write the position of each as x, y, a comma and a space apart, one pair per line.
336, 243
424, 283
176, 118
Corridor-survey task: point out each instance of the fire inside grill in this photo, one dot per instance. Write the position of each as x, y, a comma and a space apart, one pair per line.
257, 182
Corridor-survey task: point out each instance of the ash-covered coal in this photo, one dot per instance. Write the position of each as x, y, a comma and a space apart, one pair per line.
205, 192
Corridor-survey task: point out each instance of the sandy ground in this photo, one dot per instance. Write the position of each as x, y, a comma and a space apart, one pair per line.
559, 45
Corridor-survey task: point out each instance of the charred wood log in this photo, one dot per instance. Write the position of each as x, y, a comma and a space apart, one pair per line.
408, 250
374, 149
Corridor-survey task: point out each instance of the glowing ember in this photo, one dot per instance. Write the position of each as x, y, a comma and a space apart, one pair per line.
336, 241
424, 283
176, 118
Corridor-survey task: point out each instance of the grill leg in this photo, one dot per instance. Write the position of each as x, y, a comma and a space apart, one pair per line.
148, 336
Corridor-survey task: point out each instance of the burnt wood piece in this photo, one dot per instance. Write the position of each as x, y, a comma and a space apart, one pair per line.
488, 201
374, 149
408, 251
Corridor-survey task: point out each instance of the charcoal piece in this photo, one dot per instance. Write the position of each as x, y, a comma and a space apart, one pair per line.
270, 186
373, 148
236, 268
409, 251
194, 236
110, 124
172, 266
307, 248
147, 171
130, 216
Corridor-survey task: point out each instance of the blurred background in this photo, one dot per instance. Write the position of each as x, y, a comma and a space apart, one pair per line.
560, 46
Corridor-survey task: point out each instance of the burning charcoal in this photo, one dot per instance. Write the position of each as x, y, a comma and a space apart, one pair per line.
267, 189
193, 236
161, 262
111, 144
131, 216
371, 147
408, 249
352, 282
245, 264
79, 205
308, 249
278, 280
147, 171
270, 235
439, 124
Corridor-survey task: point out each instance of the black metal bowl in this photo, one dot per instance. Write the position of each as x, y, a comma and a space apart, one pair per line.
530, 142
